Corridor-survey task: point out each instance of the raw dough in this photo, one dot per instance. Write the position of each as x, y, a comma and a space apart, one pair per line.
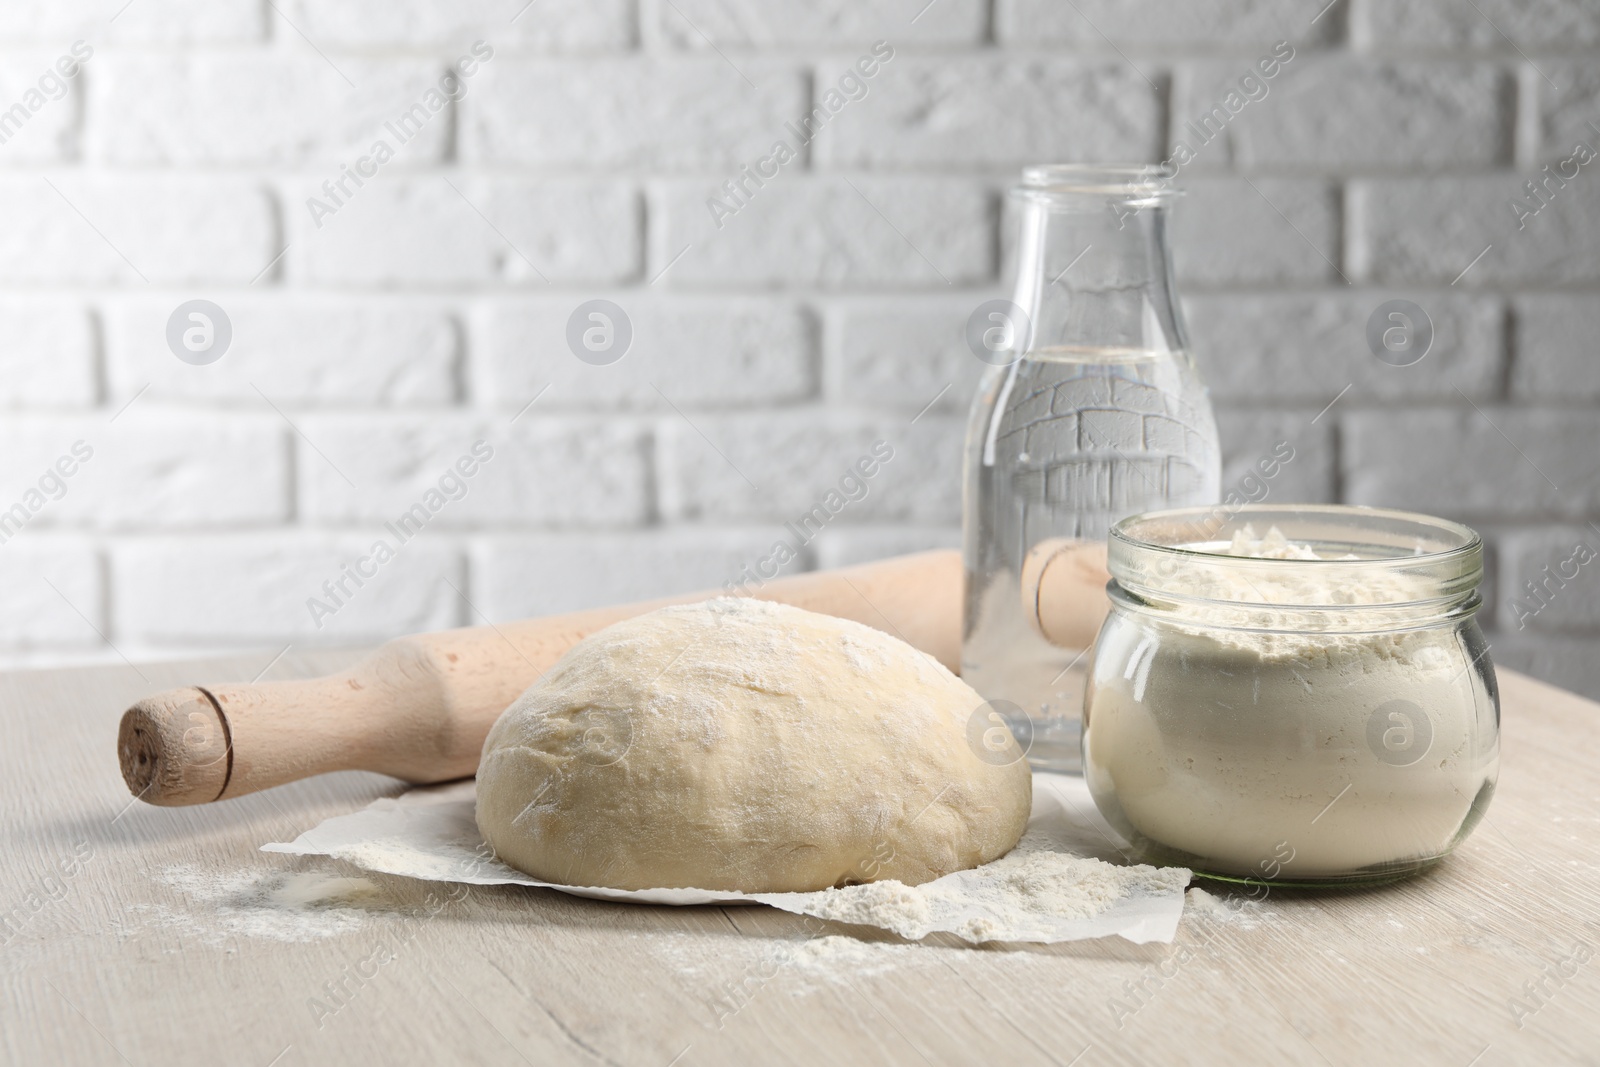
743, 745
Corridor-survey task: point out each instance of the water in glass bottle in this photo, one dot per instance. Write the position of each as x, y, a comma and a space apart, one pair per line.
1091, 410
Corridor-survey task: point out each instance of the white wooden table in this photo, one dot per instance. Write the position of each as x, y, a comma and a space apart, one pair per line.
116, 951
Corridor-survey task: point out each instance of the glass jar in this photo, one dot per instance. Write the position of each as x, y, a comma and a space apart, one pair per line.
1295, 694
1091, 411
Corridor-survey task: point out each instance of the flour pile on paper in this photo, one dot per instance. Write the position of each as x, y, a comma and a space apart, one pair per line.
1028, 895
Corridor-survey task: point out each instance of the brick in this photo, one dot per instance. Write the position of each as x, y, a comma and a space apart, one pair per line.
697, 351
38, 105
400, 229
48, 359
146, 22
806, 230
548, 574
552, 26
904, 352
1224, 232
971, 113
544, 472
1250, 437
1447, 26
297, 350
792, 460
1568, 115
697, 24
1415, 230
1568, 662
1455, 463
1307, 347
656, 114
261, 109
252, 588
1554, 345
48, 582
1550, 580
1161, 23
150, 468
169, 229
1334, 112
845, 547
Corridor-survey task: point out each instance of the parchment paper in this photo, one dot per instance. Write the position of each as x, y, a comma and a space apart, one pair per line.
430, 833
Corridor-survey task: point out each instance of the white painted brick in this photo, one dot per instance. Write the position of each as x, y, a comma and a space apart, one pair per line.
973, 113
1251, 436
904, 352
47, 359
1432, 229
1565, 591
807, 230
1309, 347
552, 25
1224, 232
1334, 112
143, 22
296, 349
48, 582
697, 351
400, 229
846, 547
1162, 23
1568, 115
659, 114
699, 24
775, 467
151, 467
251, 588
38, 103
544, 472
549, 574
1446, 25
182, 229
1568, 662
1457, 463
1556, 357
257, 108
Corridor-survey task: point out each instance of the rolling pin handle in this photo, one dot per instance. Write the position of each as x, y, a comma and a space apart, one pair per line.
175, 748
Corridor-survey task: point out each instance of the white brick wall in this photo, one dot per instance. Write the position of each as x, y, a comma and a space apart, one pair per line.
427, 307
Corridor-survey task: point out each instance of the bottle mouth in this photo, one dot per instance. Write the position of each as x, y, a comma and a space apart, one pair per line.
1354, 561
1134, 182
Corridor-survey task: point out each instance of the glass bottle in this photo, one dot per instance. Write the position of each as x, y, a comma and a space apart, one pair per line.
1092, 410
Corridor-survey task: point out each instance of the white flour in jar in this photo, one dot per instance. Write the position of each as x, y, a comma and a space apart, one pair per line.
1291, 755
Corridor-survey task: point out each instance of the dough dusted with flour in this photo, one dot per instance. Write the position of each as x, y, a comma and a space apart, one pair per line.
742, 745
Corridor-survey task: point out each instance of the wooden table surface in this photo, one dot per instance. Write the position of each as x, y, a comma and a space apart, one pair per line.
129, 937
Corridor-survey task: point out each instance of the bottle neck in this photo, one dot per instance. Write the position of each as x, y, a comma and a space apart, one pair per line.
1094, 272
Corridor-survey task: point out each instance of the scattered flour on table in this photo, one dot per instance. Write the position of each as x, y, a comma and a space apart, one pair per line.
1247, 915
277, 906
834, 955
1018, 897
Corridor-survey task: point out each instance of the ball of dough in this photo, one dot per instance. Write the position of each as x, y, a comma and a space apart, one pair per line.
742, 745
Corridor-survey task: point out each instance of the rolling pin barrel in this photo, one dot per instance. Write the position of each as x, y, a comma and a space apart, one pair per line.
420, 707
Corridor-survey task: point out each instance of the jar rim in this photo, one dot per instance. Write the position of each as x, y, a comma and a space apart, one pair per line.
1137, 181
1437, 559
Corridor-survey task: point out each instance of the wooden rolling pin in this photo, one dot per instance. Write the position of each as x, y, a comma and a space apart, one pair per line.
420, 707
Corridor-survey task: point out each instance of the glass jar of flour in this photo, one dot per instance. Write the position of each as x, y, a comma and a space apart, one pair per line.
1091, 410
1295, 694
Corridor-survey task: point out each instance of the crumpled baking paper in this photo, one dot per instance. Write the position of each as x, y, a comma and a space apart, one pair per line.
430, 833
